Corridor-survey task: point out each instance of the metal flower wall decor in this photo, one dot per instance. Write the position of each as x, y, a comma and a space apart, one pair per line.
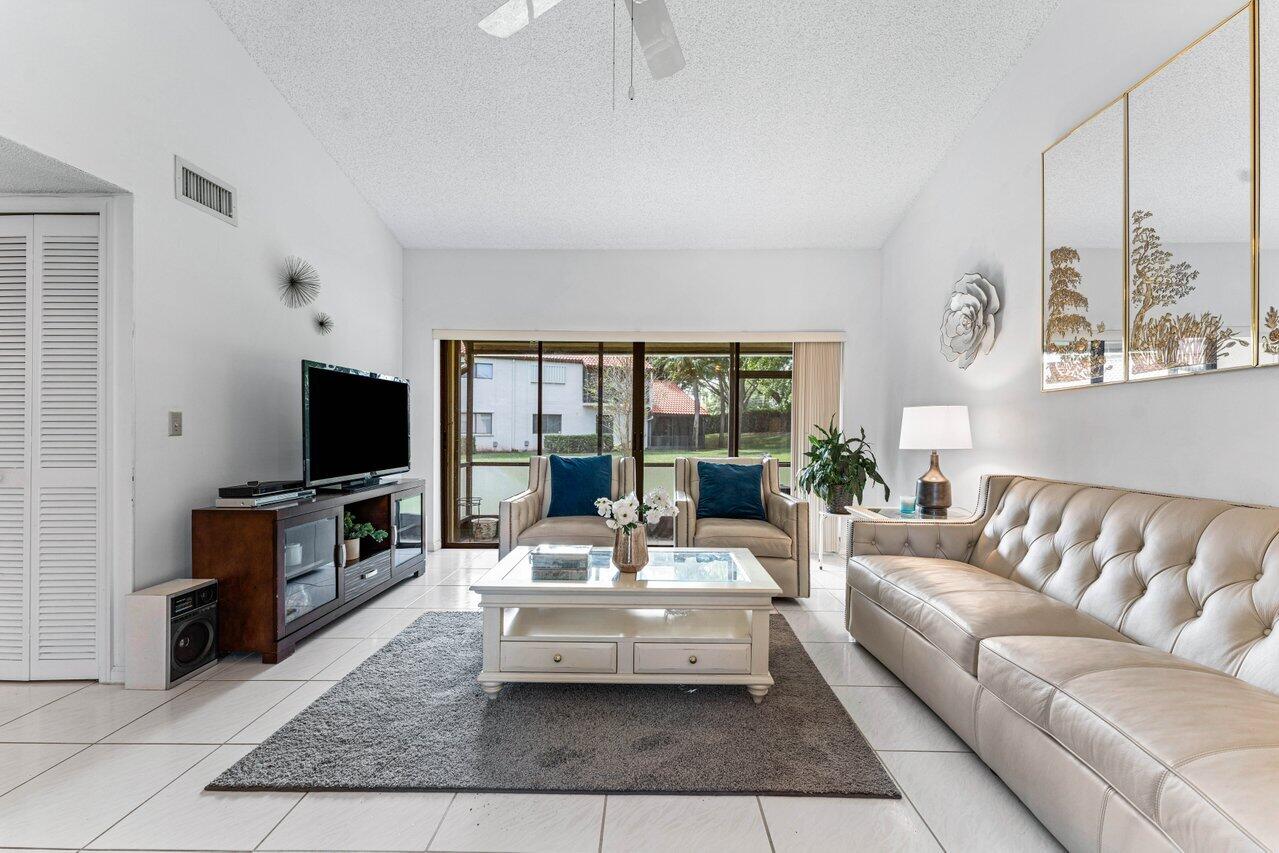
968, 320
299, 282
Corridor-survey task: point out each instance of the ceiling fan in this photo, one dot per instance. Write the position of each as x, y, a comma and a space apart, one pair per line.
649, 18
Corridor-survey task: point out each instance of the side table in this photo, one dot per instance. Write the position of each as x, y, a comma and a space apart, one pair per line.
879, 513
843, 522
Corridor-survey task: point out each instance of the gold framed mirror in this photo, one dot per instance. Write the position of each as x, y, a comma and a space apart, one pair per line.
1083, 254
1182, 284
1190, 209
1267, 12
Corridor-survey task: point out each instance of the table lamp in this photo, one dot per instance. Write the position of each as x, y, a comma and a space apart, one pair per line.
934, 428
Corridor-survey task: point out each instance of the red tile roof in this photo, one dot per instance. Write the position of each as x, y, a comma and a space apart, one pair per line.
670, 399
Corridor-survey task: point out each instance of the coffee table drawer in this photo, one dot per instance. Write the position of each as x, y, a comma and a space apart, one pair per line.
682, 657
559, 657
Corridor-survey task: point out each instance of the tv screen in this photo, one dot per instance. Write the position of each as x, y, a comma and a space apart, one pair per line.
355, 424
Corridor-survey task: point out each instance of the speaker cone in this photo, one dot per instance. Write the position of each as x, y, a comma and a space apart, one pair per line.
191, 642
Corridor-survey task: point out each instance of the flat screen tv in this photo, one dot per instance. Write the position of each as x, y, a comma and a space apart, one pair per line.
355, 424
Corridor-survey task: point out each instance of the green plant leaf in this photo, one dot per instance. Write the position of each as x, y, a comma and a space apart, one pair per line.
837, 463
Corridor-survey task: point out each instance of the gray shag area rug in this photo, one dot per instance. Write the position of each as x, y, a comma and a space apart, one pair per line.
413, 718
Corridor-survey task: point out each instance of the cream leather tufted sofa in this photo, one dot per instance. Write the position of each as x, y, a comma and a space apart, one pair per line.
1112, 655
522, 518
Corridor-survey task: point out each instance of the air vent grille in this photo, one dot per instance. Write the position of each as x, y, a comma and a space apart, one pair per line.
200, 189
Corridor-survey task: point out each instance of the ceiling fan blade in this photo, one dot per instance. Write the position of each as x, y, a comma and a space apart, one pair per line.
656, 35
514, 15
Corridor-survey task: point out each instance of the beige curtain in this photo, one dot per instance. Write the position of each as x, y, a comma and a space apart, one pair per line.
815, 398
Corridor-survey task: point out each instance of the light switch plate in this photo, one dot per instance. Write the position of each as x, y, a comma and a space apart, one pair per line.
175, 423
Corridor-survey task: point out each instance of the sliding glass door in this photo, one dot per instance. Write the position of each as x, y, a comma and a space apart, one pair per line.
686, 412
490, 392
514, 399
764, 404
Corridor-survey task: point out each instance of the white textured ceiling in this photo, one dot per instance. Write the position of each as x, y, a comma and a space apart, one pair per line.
23, 170
797, 123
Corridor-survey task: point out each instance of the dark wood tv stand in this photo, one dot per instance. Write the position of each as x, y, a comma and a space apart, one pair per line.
281, 570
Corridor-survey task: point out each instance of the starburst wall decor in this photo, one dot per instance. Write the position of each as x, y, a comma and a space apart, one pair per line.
299, 282
323, 323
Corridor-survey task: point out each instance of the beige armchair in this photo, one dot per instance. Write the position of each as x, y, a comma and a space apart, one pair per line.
780, 544
522, 518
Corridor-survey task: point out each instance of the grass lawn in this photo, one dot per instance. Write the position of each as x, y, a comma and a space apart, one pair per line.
750, 447
506, 473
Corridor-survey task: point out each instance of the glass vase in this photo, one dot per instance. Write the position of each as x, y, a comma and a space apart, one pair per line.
630, 550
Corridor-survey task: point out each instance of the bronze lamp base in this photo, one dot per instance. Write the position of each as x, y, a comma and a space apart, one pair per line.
932, 490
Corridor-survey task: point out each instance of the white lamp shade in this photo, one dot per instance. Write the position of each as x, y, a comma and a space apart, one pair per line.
935, 428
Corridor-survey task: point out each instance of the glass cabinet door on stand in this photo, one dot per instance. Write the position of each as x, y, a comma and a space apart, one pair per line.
409, 528
311, 564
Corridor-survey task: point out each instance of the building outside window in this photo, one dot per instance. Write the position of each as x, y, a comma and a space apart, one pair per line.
483, 370
554, 374
483, 423
551, 424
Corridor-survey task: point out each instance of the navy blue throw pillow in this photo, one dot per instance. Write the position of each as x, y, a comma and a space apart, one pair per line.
577, 482
730, 491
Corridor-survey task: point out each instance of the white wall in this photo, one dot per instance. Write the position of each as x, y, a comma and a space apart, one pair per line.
117, 89
724, 291
1209, 435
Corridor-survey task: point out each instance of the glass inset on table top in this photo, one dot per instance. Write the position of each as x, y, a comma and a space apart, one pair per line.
670, 566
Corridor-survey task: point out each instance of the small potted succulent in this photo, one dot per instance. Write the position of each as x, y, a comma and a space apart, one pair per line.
629, 516
838, 469
354, 531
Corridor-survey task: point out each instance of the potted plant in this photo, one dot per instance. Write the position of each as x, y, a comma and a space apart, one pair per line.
355, 531
838, 468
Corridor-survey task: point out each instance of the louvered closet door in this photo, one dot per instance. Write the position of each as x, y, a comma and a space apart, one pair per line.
65, 448
16, 276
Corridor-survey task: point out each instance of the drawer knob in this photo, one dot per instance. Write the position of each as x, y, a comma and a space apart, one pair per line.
692, 658
558, 657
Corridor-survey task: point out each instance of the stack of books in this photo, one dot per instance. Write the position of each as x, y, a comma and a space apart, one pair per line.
560, 557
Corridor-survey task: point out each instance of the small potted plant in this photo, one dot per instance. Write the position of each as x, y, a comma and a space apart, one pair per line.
629, 517
355, 531
838, 468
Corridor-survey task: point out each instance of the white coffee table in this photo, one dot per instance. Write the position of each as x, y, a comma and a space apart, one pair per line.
691, 616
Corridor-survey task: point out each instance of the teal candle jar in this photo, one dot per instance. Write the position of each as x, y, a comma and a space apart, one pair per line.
907, 505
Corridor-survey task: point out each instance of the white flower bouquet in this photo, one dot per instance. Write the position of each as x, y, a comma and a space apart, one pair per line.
628, 513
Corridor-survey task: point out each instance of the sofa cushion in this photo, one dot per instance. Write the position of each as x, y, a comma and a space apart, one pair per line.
760, 537
1194, 750
956, 606
577, 482
568, 530
867, 573
730, 491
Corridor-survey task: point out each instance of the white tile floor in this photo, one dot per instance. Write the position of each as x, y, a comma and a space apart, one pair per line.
86, 766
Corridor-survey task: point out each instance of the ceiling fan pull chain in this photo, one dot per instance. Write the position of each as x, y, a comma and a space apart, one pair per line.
631, 92
613, 92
